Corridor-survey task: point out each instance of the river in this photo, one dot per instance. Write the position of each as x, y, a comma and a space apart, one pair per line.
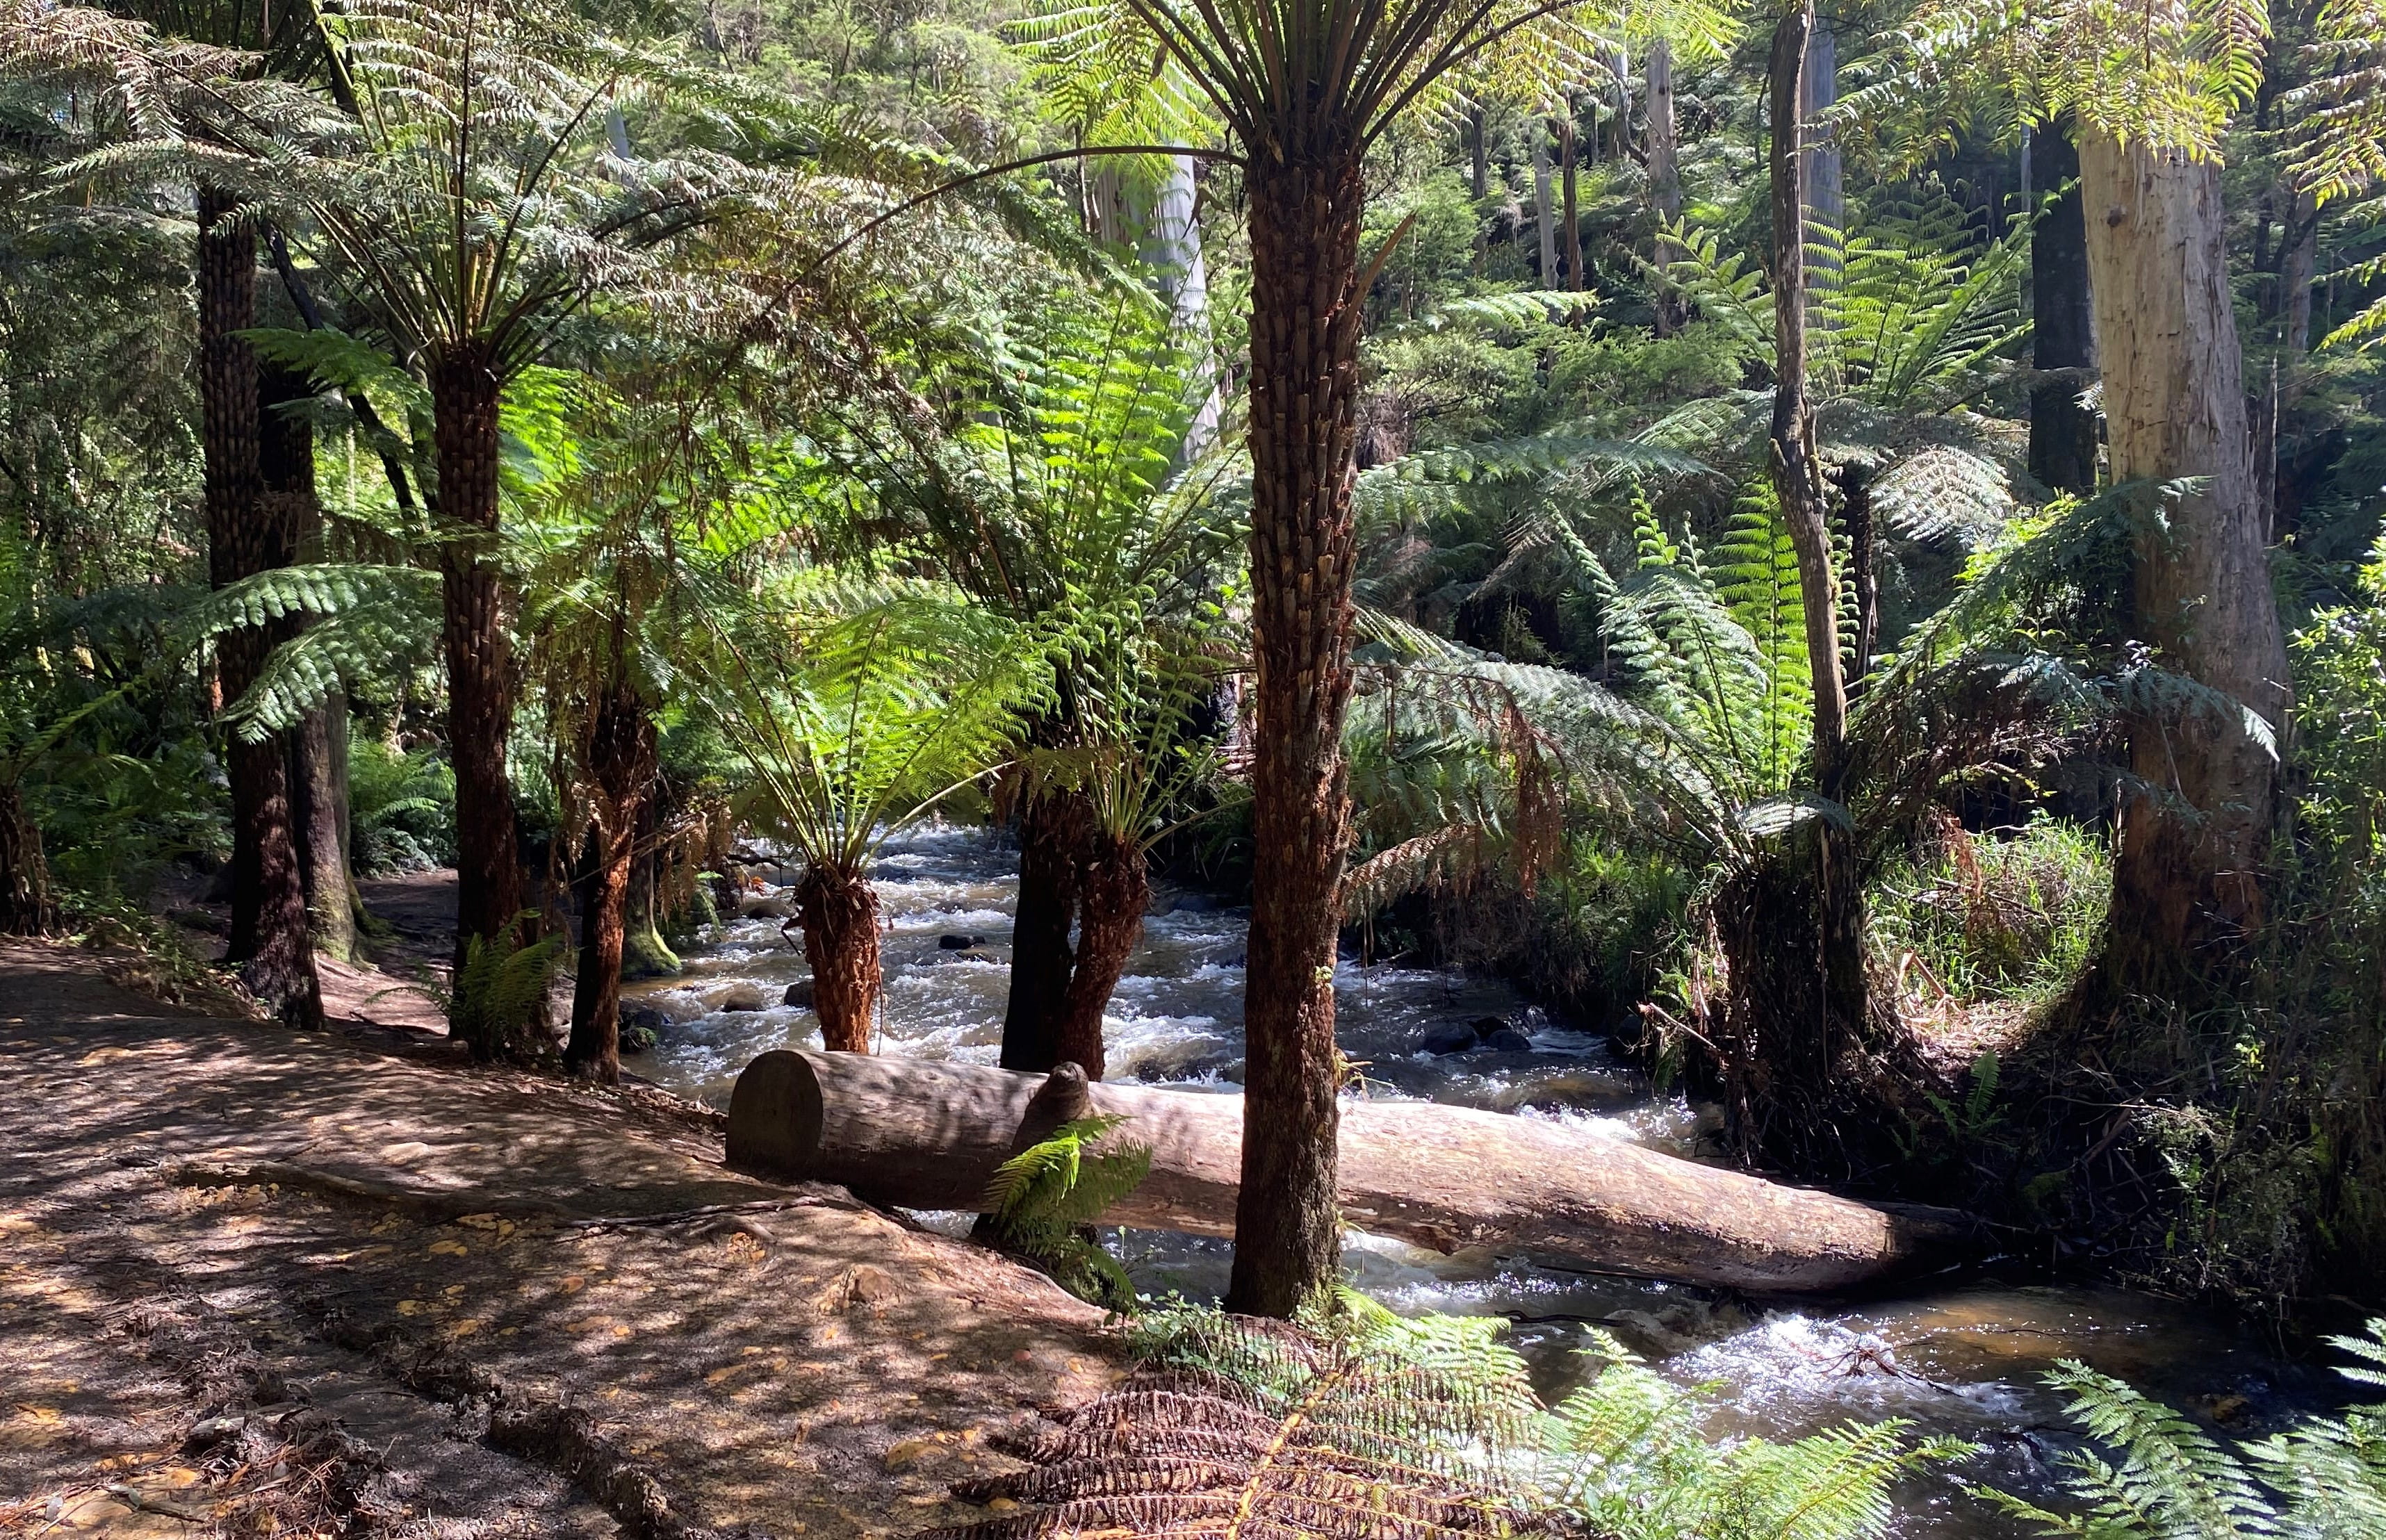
1961, 1356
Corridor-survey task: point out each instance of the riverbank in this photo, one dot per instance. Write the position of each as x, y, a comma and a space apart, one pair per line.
205, 1218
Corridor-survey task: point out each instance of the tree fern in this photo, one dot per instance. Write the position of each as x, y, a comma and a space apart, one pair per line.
1042, 1199
2324, 1479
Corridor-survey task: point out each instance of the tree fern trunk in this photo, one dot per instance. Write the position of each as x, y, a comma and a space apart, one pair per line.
1117, 889
249, 533
2193, 846
621, 764
1305, 208
318, 813
1053, 832
1572, 226
465, 393
2062, 329
1838, 1017
26, 907
840, 918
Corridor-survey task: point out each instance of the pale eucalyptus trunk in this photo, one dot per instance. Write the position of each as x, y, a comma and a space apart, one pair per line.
2195, 836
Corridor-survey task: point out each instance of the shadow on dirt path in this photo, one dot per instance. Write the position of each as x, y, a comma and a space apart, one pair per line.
543, 1309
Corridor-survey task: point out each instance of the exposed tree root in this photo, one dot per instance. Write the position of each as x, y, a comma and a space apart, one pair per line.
560, 1437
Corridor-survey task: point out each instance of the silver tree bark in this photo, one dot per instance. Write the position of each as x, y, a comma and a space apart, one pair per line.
2194, 839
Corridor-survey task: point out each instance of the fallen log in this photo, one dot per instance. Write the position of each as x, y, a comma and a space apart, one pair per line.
922, 1133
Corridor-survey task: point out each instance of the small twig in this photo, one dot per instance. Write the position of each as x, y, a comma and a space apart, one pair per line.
711, 1210
135, 1498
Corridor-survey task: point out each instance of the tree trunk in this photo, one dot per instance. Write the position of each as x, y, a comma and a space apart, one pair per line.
2063, 345
1053, 832
1305, 211
2298, 257
465, 393
1856, 520
249, 533
1824, 191
1572, 222
2187, 872
318, 810
621, 762
840, 918
26, 907
929, 1133
1837, 1016
644, 954
1545, 213
323, 816
1116, 890
1664, 170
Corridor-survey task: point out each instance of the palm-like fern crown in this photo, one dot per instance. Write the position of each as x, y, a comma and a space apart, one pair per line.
1279, 75
858, 703
483, 198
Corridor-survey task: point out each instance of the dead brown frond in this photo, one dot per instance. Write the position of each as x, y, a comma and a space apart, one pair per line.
1249, 1431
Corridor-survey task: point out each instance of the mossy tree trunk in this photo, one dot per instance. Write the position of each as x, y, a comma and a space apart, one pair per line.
839, 912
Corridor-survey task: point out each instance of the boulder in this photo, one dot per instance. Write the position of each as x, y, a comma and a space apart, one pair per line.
959, 942
1507, 1040
637, 1040
643, 1017
798, 995
740, 998
1456, 1038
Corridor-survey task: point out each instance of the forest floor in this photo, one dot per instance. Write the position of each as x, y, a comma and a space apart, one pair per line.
252, 1280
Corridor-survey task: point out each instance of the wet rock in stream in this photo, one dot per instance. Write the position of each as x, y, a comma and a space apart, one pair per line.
798, 995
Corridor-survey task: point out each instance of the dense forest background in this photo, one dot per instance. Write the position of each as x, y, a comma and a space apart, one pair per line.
575, 446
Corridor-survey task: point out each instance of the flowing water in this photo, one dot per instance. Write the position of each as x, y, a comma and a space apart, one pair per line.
1962, 1357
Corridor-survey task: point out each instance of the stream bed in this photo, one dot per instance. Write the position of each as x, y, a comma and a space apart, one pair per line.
1961, 1357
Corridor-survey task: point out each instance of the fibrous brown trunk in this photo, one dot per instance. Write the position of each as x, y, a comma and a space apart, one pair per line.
1116, 889
2062, 329
1053, 832
1305, 210
621, 761
1665, 169
839, 913
249, 531
318, 803
2192, 844
465, 395
26, 907
929, 1133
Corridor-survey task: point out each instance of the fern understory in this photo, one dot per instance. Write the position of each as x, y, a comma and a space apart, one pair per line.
1358, 1424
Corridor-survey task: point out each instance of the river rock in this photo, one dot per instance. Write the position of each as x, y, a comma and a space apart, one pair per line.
798, 995
1455, 1038
1507, 1040
973, 954
959, 942
636, 1040
643, 1017
742, 998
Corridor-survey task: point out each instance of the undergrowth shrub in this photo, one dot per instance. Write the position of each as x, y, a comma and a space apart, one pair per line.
1043, 1201
1361, 1423
2013, 914
401, 809
2324, 1479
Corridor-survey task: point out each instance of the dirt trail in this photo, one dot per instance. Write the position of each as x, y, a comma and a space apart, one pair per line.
489, 1277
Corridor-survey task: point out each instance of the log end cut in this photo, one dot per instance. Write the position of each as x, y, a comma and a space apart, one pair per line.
776, 1117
